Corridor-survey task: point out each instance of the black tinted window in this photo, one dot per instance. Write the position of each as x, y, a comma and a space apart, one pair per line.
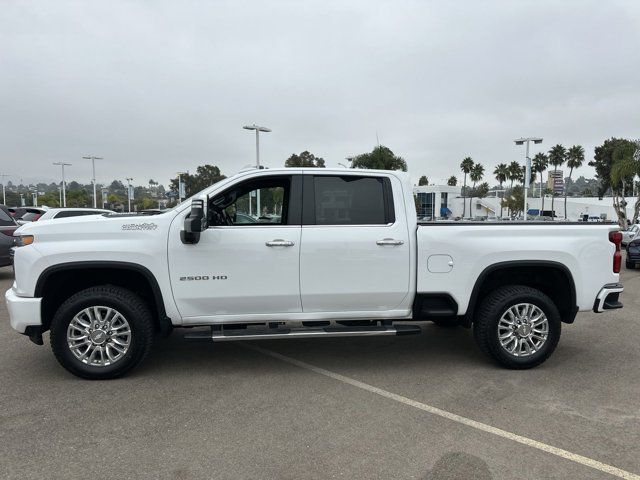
349, 200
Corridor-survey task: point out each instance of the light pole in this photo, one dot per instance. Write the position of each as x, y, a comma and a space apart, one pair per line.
258, 130
527, 170
180, 187
64, 185
4, 198
129, 192
93, 180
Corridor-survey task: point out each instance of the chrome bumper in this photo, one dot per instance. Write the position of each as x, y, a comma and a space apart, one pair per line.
607, 299
23, 311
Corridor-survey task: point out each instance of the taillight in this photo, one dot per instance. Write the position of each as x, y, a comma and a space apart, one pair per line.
616, 239
8, 231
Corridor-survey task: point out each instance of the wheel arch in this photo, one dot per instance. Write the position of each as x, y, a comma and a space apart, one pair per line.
56, 283
551, 277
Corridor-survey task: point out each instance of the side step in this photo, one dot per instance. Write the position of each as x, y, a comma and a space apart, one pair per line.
221, 335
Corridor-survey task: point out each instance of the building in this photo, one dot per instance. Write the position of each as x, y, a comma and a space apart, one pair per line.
555, 182
435, 201
445, 202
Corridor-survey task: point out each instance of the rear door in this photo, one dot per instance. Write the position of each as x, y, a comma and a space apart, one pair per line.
355, 248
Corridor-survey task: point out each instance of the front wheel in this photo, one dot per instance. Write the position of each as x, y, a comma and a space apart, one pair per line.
518, 326
102, 332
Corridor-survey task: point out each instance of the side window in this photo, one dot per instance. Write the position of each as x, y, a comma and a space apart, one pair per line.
351, 200
255, 202
68, 214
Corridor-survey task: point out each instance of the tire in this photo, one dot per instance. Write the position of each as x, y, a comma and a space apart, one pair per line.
446, 322
488, 326
630, 265
126, 338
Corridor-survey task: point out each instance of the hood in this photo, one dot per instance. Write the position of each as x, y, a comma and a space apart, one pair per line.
91, 225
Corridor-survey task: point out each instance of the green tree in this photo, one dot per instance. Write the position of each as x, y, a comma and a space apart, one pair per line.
380, 158
515, 173
557, 156
501, 172
305, 159
626, 165
476, 174
603, 162
205, 176
575, 158
465, 166
515, 170
539, 165
423, 181
482, 190
453, 181
515, 200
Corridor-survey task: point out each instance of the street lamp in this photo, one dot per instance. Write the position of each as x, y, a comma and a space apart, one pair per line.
180, 187
4, 198
129, 192
258, 130
64, 185
93, 165
527, 170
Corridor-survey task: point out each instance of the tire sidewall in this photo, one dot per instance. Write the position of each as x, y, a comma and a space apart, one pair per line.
75, 305
555, 326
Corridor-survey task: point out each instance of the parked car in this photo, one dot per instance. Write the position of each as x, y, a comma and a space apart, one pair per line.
7, 227
633, 254
32, 214
346, 258
17, 212
631, 233
71, 212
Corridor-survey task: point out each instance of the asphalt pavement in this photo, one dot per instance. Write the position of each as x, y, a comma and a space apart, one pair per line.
356, 408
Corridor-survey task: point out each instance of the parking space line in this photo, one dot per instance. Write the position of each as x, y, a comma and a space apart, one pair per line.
586, 461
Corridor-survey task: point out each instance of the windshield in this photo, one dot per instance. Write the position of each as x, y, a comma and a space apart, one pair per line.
31, 216
5, 219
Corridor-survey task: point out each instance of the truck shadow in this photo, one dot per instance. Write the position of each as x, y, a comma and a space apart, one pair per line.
435, 346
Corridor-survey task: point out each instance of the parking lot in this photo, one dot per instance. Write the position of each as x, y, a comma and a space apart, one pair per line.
388, 407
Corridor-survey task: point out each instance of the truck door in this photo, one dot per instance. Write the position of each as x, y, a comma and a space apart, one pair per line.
355, 253
247, 262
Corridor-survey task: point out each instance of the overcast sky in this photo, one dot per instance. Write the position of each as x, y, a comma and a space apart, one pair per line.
157, 87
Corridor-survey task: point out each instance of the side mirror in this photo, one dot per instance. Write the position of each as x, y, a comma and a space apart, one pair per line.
194, 223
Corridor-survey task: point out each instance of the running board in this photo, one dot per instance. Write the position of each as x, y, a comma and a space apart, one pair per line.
222, 335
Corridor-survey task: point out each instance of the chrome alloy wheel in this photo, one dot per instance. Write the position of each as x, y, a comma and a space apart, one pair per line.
99, 336
523, 329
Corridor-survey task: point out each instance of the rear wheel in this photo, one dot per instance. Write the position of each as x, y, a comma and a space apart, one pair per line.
518, 326
102, 332
630, 265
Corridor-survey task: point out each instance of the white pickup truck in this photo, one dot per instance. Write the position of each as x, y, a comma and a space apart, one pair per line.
302, 253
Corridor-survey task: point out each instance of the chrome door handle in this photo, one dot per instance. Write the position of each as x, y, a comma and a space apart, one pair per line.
389, 241
279, 243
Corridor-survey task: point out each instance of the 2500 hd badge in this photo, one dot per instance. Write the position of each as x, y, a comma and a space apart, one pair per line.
203, 277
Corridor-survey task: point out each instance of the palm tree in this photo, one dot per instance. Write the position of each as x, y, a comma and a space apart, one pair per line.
514, 171
476, 175
453, 181
575, 157
540, 164
501, 173
557, 156
466, 165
